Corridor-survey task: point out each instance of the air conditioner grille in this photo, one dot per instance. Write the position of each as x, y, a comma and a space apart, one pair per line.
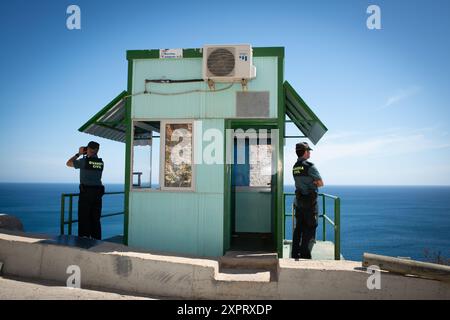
221, 62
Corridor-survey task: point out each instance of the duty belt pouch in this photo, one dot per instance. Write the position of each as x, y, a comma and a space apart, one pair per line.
312, 211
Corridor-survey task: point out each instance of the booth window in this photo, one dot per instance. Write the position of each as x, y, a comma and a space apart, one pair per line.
260, 165
145, 174
252, 163
177, 155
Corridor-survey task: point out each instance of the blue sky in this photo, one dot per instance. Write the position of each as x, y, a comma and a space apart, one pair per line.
383, 94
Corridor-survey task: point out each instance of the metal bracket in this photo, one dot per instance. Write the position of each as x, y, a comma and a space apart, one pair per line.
244, 83
211, 85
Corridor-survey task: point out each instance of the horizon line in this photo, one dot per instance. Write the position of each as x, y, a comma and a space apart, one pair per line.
288, 185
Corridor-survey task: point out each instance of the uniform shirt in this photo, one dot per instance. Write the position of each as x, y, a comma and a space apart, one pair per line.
305, 183
88, 177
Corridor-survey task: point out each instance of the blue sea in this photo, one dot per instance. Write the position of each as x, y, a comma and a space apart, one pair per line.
395, 221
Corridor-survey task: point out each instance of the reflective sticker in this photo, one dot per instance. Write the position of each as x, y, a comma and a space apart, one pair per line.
92, 164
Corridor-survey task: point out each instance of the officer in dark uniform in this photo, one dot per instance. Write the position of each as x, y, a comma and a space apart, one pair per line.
91, 190
307, 181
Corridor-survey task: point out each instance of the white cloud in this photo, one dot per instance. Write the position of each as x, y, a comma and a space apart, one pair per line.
401, 95
365, 152
340, 135
393, 143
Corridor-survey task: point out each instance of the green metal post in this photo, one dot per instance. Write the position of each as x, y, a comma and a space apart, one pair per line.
285, 217
337, 228
61, 226
128, 151
69, 229
279, 203
324, 222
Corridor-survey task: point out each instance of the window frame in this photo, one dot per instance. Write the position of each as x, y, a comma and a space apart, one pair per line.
162, 152
132, 187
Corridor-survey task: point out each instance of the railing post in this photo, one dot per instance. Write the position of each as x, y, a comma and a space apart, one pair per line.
284, 216
61, 226
324, 223
69, 229
337, 229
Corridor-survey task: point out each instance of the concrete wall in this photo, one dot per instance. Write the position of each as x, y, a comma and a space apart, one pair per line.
116, 267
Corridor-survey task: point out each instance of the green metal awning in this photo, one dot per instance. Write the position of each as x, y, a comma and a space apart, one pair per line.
109, 123
302, 116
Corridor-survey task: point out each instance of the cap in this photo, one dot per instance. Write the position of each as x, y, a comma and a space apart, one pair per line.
302, 146
93, 145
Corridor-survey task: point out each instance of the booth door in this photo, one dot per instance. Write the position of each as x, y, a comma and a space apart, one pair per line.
252, 195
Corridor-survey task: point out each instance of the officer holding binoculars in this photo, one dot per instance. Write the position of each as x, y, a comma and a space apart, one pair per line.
91, 190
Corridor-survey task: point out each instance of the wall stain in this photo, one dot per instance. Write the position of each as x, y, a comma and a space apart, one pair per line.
123, 266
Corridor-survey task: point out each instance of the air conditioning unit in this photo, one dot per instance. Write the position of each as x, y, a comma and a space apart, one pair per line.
228, 63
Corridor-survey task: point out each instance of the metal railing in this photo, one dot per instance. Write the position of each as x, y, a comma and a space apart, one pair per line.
70, 221
336, 223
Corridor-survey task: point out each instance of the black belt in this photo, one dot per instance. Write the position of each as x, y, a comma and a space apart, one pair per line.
85, 188
298, 194
91, 186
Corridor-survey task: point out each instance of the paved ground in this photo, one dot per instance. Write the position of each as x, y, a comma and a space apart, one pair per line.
322, 250
19, 289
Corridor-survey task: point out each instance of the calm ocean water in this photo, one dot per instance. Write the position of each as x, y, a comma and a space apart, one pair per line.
395, 221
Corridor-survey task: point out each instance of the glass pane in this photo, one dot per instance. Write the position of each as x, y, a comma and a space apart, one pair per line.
241, 166
252, 164
145, 168
155, 163
178, 155
260, 165
141, 166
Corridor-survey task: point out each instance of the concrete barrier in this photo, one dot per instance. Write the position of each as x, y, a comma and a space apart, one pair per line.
113, 266
348, 280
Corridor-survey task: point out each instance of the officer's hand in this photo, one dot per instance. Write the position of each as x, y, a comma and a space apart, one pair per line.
318, 183
81, 150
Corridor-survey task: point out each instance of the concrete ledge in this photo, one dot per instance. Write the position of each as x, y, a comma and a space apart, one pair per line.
348, 280
116, 267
